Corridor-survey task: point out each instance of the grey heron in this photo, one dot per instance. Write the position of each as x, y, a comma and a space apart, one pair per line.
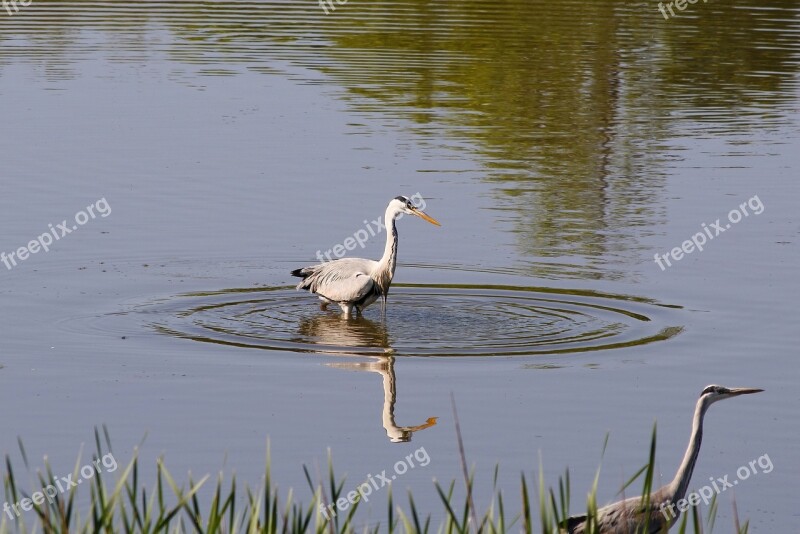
630, 515
355, 283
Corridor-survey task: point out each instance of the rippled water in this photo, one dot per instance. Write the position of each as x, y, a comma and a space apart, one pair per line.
464, 321
561, 144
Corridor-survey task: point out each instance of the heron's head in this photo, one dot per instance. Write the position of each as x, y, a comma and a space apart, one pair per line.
715, 393
403, 204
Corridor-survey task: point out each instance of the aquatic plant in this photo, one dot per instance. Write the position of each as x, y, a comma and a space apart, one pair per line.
128, 506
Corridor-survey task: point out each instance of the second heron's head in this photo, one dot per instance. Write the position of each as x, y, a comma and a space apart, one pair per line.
402, 204
714, 393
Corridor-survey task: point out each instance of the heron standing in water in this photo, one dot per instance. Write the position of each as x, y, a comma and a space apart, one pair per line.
630, 516
355, 283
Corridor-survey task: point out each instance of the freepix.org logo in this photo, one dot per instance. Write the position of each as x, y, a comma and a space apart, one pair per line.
60, 485
378, 482
9, 4
322, 4
54, 233
713, 230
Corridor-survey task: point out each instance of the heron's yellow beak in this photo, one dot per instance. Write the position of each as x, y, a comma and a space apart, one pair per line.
422, 215
427, 424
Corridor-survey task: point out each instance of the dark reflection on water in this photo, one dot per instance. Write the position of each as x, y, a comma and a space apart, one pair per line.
567, 106
329, 329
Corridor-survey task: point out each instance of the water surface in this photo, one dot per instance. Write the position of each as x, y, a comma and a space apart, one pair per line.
561, 144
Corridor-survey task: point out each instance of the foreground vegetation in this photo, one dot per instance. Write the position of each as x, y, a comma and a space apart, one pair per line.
128, 506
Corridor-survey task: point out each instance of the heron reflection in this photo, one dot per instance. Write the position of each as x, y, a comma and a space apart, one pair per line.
360, 336
363, 337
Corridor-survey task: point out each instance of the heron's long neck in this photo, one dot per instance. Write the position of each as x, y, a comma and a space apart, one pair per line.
394, 432
680, 484
388, 262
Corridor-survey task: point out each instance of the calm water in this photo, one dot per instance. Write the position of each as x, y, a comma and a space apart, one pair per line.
561, 144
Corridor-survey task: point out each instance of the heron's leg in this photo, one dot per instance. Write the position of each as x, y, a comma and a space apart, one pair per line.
347, 308
323, 304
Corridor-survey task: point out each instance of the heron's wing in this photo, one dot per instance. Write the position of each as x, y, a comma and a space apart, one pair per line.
345, 280
625, 516
350, 289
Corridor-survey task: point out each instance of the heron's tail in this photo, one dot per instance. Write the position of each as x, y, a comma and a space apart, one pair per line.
304, 273
575, 524
301, 273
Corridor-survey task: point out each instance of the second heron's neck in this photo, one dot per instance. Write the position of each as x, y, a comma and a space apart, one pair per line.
680, 484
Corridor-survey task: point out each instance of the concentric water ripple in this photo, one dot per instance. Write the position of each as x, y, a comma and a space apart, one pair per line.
422, 320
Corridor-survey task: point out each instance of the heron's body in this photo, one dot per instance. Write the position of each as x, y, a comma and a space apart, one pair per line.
355, 283
630, 515
349, 282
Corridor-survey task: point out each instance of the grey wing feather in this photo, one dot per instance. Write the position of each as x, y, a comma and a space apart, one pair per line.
345, 280
625, 517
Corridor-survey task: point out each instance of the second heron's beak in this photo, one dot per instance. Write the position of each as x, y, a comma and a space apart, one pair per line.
744, 391
422, 215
